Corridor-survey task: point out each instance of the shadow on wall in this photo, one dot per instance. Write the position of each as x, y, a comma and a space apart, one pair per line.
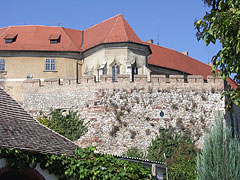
2, 78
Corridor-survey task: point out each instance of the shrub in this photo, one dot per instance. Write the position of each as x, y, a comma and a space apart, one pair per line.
69, 124
220, 155
134, 152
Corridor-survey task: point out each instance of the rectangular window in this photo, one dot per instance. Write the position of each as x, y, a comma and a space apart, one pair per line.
50, 65
2, 65
10, 38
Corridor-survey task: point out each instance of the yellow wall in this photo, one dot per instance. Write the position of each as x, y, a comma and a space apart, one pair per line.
19, 67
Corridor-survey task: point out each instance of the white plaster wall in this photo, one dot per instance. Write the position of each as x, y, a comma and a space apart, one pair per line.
3, 163
119, 55
46, 174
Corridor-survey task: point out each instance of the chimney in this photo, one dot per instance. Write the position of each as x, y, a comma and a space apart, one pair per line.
185, 53
150, 41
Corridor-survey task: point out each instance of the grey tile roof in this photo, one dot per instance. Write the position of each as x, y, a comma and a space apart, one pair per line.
19, 130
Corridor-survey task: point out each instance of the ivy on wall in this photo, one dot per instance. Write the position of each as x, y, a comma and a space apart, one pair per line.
85, 164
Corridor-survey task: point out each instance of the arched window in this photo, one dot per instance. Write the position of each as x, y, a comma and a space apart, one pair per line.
115, 71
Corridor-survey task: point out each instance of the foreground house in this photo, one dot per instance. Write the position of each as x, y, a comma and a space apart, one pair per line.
19, 130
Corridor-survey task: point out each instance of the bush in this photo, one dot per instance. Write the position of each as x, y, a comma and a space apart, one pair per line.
134, 152
69, 124
220, 155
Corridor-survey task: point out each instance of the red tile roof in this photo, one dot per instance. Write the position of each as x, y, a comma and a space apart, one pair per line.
115, 29
172, 59
37, 38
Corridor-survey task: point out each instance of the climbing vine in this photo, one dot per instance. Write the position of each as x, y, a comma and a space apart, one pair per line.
84, 164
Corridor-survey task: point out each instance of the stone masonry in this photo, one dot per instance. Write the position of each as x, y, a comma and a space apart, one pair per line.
124, 114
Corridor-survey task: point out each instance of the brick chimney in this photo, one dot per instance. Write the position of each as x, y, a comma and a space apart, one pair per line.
150, 41
185, 53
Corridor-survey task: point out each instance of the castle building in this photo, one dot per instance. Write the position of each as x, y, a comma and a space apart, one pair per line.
108, 48
125, 88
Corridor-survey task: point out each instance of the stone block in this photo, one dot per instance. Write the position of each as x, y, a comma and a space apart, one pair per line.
28, 83
69, 81
140, 78
88, 79
122, 78
176, 79
158, 79
195, 79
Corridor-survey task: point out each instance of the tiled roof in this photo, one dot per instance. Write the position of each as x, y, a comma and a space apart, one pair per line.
37, 38
115, 29
171, 59
19, 130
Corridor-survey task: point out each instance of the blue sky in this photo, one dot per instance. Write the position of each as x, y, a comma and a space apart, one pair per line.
172, 20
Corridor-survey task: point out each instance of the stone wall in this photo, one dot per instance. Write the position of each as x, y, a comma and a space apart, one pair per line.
124, 114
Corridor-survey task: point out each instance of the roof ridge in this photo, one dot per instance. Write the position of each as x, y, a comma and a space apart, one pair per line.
70, 38
103, 21
111, 29
5, 30
124, 24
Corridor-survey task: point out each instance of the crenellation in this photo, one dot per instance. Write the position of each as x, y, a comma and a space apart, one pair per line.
140, 79
155, 79
69, 81
106, 79
88, 79
34, 83
176, 78
124, 81
123, 78
51, 82
195, 79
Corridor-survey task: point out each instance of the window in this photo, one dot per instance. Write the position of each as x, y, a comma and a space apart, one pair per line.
2, 64
50, 65
55, 38
115, 71
10, 38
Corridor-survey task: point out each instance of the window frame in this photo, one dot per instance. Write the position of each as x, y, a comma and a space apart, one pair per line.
115, 72
50, 64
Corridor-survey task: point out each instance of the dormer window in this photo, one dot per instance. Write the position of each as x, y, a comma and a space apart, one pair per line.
55, 38
10, 38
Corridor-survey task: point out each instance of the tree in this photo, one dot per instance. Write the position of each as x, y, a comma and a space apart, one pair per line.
69, 124
220, 155
222, 24
180, 153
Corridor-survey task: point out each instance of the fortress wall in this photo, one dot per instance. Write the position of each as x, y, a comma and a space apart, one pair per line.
124, 114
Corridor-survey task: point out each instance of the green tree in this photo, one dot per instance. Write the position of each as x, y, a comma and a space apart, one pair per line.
180, 153
220, 155
222, 24
67, 123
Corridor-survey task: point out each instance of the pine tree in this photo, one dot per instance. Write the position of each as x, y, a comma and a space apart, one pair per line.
220, 156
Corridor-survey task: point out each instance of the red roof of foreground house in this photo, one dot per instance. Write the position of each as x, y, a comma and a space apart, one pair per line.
115, 29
